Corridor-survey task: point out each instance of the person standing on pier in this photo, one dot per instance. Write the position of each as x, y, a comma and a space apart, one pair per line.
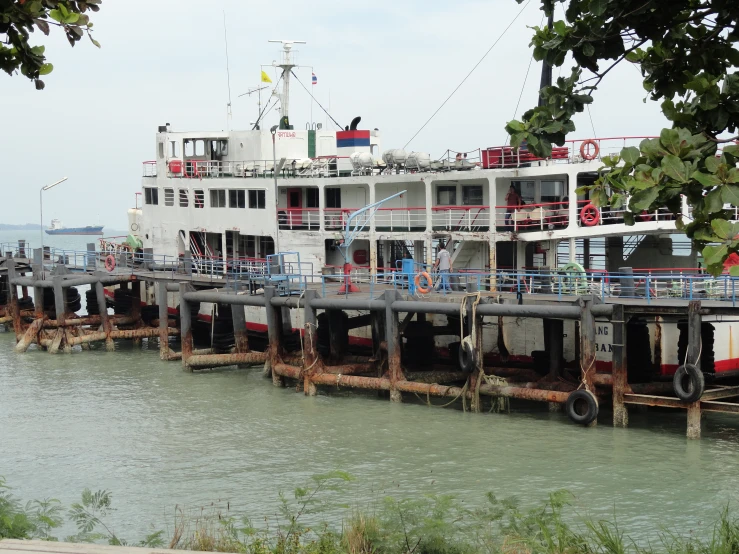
444, 264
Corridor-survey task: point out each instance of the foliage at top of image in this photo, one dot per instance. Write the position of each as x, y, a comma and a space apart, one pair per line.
686, 52
20, 18
425, 524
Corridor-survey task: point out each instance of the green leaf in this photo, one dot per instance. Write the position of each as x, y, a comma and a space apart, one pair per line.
706, 179
713, 202
643, 199
730, 194
45, 69
715, 255
598, 7
732, 149
588, 49
712, 163
733, 176
56, 15
722, 228
670, 140
516, 126
630, 155
674, 168
734, 271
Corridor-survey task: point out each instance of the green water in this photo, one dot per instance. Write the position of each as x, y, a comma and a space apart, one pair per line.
158, 437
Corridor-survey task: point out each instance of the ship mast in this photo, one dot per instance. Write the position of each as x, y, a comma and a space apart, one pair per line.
287, 66
546, 68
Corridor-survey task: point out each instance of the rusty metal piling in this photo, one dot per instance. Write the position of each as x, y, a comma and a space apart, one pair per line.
619, 368
161, 296
694, 357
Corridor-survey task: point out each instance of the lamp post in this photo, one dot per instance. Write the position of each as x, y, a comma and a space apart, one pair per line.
41, 210
273, 130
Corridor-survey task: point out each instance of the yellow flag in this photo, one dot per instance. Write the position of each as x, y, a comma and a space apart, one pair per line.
265, 78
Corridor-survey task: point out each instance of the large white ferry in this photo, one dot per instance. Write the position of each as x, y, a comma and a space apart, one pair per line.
229, 199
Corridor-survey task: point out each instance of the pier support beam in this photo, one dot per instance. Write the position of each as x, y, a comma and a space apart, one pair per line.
15, 311
185, 324
136, 306
241, 338
274, 332
163, 320
587, 344
59, 306
694, 354
392, 337
620, 374
103, 310
310, 344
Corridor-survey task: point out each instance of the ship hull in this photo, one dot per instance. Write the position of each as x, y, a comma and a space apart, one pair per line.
76, 231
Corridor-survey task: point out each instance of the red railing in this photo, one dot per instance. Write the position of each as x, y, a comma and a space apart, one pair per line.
545, 215
457, 218
293, 219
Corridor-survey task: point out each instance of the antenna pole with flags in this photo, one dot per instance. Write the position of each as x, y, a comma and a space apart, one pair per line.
287, 66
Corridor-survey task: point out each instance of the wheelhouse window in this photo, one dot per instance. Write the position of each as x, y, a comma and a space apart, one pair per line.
183, 198
311, 198
169, 197
527, 190
237, 199
446, 196
472, 195
217, 198
257, 199
333, 198
151, 195
199, 201
266, 246
552, 191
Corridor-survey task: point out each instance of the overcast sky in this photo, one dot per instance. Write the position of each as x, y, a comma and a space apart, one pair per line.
392, 62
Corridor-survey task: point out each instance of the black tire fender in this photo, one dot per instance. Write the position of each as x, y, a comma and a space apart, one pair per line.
691, 376
578, 400
467, 359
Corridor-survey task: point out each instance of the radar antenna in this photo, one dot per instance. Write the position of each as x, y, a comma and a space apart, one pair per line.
287, 65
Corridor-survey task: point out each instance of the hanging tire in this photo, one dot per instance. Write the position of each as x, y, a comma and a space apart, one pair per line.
467, 359
582, 407
688, 383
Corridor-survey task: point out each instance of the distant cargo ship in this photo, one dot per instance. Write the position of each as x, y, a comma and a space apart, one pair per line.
58, 229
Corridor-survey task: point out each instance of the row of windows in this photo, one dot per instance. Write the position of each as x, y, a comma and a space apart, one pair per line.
236, 198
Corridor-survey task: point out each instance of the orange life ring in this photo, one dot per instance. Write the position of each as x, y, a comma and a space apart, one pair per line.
585, 149
429, 282
589, 215
110, 263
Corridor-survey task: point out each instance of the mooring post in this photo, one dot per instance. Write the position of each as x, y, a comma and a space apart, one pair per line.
694, 354
241, 338
392, 337
163, 320
274, 331
38, 301
103, 311
185, 324
310, 343
620, 370
15, 310
587, 344
59, 307
136, 307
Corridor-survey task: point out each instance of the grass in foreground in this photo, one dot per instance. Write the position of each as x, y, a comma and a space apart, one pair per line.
429, 524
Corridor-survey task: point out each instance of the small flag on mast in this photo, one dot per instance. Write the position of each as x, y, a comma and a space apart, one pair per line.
265, 78
314, 79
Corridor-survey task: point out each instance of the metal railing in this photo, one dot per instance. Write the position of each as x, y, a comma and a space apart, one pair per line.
150, 169
294, 219
460, 218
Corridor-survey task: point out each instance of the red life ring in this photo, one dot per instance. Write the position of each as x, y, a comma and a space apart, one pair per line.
110, 263
429, 282
646, 216
585, 150
589, 215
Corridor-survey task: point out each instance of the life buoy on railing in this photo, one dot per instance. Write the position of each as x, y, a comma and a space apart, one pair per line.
110, 263
134, 227
586, 152
589, 215
429, 282
646, 216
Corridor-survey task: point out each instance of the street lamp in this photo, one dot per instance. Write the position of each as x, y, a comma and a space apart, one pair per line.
273, 130
41, 210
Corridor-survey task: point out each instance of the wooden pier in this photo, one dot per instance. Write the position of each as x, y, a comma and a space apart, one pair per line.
317, 355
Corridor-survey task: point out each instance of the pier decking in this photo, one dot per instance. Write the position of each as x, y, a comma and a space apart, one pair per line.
400, 325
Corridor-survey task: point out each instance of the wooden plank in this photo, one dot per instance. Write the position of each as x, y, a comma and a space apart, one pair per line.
652, 400
725, 407
8, 546
720, 392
